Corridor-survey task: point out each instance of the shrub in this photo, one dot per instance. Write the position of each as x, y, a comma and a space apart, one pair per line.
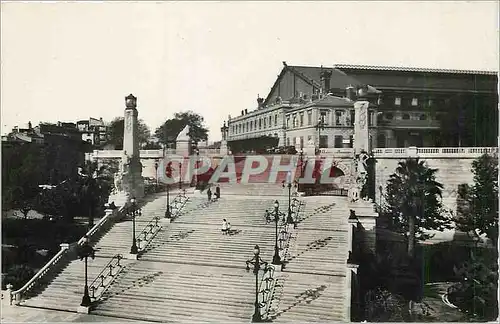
18, 275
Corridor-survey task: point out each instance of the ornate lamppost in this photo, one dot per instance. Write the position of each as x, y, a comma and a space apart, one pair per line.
156, 172
180, 175
289, 219
257, 263
276, 257
134, 212
86, 251
168, 170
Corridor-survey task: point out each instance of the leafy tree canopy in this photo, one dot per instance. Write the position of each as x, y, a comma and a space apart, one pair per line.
117, 127
478, 212
168, 132
413, 192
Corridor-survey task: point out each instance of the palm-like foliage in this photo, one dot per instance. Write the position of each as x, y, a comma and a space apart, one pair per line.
413, 201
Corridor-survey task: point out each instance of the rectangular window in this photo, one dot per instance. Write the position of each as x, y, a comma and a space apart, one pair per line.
295, 120
264, 122
309, 117
338, 117
414, 102
301, 141
338, 141
352, 118
397, 101
294, 141
275, 120
260, 123
270, 121
370, 118
288, 141
287, 121
251, 125
301, 116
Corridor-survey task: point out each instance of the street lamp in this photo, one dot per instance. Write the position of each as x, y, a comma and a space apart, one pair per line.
256, 261
86, 251
276, 257
180, 175
289, 219
167, 212
156, 172
133, 249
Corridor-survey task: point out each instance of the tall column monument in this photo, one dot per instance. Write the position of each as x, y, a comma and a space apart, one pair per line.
132, 182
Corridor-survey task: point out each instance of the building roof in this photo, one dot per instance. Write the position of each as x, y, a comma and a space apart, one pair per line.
330, 101
410, 69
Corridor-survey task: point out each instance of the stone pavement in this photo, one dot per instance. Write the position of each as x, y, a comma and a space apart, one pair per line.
12, 314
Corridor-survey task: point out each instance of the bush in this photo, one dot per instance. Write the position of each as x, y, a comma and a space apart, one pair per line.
17, 275
440, 260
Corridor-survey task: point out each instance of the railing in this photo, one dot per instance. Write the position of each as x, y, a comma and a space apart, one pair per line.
334, 192
178, 203
147, 234
266, 291
55, 262
434, 152
105, 277
344, 151
17, 295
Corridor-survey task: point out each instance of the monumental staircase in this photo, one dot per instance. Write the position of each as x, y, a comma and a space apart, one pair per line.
188, 271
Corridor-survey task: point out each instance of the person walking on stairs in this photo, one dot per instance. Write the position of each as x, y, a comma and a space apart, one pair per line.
225, 226
209, 194
217, 192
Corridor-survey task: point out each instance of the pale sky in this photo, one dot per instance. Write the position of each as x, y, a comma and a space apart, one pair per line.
70, 61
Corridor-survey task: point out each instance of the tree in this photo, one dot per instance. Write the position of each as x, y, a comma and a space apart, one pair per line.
117, 127
478, 212
476, 291
413, 202
168, 132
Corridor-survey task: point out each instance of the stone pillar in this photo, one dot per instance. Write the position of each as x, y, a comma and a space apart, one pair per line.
367, 216
223, 142
183, 142
132, 182
361, 136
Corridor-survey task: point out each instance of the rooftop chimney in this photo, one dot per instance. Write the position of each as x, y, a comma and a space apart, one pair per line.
246, 111
350, 92
260, 102
325, 80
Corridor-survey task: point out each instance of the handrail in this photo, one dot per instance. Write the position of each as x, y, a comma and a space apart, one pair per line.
265, 292
16, 295
152, 227
94, 286
181, 199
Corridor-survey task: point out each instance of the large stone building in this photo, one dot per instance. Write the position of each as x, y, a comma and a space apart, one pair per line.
408, 107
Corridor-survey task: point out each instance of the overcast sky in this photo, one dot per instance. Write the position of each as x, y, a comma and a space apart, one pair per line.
70, 61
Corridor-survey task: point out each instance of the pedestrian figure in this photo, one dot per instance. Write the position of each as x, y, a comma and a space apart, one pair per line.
268, 217
225, 226
209, 194
217, 192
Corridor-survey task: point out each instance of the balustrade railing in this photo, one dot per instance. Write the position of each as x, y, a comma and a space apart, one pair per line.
105, 277
148, 233
59, 260
178, 203
267, 283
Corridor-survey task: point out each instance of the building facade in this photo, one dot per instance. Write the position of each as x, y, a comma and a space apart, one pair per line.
408, 107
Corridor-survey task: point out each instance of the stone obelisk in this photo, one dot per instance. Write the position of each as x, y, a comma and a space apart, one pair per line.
132, 182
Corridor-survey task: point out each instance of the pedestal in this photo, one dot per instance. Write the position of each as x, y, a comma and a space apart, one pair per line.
223, 148
83, 310
368, 218
132, 256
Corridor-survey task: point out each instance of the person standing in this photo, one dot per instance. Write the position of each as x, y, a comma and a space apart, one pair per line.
209, 194
217, 192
